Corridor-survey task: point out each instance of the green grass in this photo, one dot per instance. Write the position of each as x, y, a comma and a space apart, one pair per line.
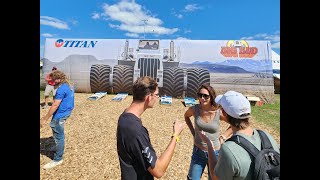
41, 93
268, 114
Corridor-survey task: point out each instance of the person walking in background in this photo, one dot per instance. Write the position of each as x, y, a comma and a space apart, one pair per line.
138, 159
61, 109
234, 162
50, 87
207, 118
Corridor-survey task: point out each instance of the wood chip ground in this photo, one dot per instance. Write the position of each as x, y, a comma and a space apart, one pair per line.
90, 139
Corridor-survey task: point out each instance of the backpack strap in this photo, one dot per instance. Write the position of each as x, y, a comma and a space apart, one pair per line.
247, 145
265, 142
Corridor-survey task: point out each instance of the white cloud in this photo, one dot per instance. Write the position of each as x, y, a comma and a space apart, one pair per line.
53, 22
191, 7
74, 22
114, 26
140, 29
187, 31
264, 36
187, 9
273, 38
95, 16
182, 38
275, 45
46, 35
129, 16
247, 38
180, 16
132, 35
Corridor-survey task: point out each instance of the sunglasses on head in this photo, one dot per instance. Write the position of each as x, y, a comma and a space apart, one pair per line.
206, 96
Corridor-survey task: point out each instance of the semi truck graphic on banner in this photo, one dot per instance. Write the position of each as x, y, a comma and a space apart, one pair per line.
178, 66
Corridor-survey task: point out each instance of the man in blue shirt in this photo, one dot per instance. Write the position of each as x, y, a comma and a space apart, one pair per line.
60, 111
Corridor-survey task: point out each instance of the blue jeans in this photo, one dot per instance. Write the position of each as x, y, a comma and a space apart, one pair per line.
199, 160
57, 126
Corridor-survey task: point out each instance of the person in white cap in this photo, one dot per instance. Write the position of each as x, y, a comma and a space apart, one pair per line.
233, 161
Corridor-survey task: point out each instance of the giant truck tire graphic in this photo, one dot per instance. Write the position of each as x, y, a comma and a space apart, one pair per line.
122, 79
195, 78
173, 81
99, 78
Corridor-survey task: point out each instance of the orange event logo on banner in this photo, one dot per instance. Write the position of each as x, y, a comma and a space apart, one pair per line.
238, 48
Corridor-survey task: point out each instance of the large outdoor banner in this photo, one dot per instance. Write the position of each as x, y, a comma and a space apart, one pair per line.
239, 65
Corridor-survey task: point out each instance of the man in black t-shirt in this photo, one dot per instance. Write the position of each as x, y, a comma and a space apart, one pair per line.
138, 159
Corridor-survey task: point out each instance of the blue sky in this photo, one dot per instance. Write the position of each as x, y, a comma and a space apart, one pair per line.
161, 19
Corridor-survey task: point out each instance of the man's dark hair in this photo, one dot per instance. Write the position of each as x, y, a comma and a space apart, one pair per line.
239, 123
142, 87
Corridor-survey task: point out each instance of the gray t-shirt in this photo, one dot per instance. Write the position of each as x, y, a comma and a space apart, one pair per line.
234, 161
210, 128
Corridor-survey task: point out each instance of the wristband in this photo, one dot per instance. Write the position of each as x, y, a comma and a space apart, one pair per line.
176, 136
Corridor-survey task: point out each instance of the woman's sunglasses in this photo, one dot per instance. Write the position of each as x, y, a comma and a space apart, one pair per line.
206, 96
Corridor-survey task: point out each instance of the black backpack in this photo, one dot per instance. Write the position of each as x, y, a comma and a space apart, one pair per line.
266, 161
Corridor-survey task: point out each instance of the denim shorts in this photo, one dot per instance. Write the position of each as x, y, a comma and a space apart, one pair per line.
199, 161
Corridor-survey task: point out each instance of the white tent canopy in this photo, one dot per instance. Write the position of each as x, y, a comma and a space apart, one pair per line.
275, 56
275, 60
275, 64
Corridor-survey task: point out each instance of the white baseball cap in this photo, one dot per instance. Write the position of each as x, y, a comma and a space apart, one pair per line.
234, 104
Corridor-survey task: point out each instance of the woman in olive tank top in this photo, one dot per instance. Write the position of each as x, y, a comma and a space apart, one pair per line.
207, 118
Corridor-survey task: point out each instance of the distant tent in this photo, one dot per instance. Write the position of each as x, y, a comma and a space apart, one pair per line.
276, 71
275, 56
275, 60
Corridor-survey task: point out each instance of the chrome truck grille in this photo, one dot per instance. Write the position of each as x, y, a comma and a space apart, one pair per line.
149, 67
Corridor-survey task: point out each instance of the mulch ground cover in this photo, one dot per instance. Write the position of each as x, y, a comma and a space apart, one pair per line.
90, 139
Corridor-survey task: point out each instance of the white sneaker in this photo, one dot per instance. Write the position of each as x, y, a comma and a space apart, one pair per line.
52, 164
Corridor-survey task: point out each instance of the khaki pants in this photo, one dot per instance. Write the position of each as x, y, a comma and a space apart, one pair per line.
48, 89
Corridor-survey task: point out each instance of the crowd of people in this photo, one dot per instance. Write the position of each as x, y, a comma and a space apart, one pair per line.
137, 157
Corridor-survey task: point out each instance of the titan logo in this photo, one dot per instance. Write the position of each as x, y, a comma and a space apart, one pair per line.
75, 43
